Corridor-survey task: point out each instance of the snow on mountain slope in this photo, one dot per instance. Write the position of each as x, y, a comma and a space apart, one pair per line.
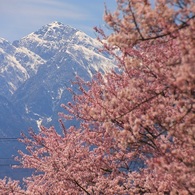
12, 73
40, 66
56, 38
29, 60
85, 50
68, 52
47, 41
16, 66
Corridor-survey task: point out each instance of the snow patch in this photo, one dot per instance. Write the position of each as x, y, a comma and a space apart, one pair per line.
49, 119
60, 92
84, 38
17, 65
39, 122
27, 109
94, 60
36, 58
12, 86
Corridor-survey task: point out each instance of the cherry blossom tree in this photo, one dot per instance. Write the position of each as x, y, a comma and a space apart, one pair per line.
7, 186
137, 122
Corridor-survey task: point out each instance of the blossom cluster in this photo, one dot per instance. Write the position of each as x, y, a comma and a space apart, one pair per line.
137, 122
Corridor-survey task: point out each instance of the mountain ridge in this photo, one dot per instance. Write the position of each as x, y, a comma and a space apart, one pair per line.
34, 74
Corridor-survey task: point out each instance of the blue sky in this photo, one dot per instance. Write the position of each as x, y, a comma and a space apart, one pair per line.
21, 17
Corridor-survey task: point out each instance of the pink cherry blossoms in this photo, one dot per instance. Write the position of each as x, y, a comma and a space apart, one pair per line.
137, 122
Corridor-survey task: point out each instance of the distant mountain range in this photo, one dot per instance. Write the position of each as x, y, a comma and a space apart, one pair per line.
34, 74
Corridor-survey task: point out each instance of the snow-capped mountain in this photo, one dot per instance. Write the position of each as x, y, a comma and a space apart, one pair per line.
36, 70
46, 41
12, 73
57, 39
16, 66
67, 52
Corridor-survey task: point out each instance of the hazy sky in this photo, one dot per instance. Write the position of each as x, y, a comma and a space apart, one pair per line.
21, 17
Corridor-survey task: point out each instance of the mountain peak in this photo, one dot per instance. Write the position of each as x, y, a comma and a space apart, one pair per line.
55, 29
55, 24
48, 39
2, 40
